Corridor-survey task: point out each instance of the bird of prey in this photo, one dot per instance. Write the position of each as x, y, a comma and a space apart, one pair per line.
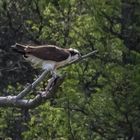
49, 57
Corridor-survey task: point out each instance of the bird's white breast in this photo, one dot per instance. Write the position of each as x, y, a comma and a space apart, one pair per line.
47, 64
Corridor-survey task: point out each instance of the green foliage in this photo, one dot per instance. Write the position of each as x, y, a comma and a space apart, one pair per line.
99, 99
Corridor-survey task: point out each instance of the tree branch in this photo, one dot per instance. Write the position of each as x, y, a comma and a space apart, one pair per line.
31, 86
12, 101
52, 86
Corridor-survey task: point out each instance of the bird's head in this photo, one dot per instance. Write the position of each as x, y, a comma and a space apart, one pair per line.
75, 54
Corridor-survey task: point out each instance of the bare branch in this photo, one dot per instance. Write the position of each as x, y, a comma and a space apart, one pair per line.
12, 101
31, 86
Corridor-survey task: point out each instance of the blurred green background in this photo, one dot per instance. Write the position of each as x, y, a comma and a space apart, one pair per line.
100, 97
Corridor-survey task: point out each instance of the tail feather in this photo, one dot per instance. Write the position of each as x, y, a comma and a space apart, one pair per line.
19, 48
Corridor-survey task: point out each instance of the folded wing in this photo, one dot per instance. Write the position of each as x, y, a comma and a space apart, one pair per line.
48, 53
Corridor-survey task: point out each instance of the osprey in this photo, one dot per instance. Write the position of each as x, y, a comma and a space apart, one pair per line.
49, 57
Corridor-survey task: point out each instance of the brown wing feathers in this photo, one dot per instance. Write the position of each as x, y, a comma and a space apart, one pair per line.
48, 52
